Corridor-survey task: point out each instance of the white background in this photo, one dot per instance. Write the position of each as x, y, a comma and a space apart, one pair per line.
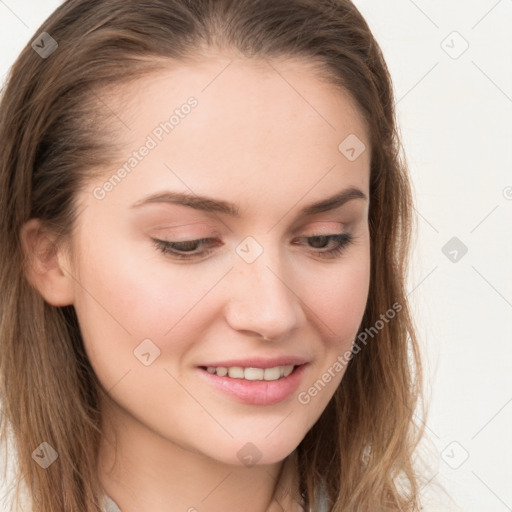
455, 115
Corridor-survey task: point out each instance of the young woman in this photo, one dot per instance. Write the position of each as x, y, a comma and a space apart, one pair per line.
205, 224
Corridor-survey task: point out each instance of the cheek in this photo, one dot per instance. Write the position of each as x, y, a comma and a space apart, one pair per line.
120, 302
134, 287
128, 295
340, 300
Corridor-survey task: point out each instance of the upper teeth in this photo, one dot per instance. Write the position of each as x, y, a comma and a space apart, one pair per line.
237, 372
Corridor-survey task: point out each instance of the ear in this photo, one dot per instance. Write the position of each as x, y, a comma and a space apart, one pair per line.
47, 267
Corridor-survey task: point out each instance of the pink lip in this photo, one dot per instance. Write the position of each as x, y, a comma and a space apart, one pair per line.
259, 362
256, 392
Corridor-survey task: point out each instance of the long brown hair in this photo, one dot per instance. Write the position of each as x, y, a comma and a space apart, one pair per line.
362, 446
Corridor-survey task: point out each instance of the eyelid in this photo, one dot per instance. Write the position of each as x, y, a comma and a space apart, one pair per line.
209, 236
324, 224
213, 231
184, 234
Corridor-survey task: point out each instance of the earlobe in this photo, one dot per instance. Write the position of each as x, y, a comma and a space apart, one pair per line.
46, 265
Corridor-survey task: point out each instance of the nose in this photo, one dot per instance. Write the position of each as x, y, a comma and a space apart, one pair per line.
263, 297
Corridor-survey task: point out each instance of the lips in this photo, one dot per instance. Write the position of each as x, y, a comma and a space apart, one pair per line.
256, 392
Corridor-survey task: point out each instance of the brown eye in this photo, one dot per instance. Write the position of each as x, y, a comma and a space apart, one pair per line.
185, 249
320, 241
189, 248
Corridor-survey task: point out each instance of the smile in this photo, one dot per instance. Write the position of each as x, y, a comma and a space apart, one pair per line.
252, 385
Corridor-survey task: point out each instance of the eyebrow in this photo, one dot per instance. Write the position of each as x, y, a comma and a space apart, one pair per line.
211, 205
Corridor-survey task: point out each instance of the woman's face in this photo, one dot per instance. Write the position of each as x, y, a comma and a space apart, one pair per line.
264, 142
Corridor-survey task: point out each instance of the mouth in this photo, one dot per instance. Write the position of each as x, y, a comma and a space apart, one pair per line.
253, 385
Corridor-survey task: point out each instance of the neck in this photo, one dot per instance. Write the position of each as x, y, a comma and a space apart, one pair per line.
149, 472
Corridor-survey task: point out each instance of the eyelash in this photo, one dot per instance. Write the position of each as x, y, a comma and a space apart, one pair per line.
343, 241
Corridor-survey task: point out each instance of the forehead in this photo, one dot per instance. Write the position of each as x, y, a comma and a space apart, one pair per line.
262, 126
270, 90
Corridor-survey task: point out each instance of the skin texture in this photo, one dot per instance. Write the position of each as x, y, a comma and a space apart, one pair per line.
272, 149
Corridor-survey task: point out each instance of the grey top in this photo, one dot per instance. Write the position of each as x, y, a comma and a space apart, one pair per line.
109, 505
